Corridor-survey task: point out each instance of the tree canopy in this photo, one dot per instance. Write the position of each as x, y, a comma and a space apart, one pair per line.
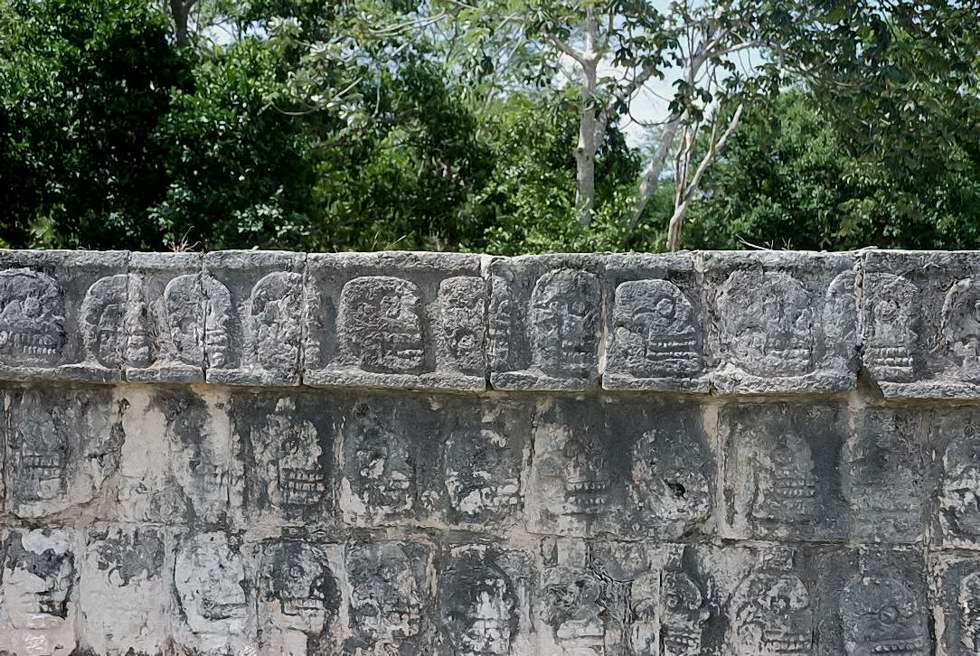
505, 126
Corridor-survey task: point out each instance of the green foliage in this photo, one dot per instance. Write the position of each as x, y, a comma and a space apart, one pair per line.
84, 85
369, 124
240, 172
529, 202
793, 177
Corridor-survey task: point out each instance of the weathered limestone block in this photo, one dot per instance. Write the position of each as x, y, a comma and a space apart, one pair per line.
39, 591
921, 318
390, 603
663, 599
300, 598
783, 470
782, 321
206, 477
390, 460
485, 453
883, 473
884, 605
484, 602
60, 446
654, 324
626, 468
545, 322
125, 590
287, 447
953, 454
396, 320
63, 315
214, 588
955, 596
165, 295
253, 313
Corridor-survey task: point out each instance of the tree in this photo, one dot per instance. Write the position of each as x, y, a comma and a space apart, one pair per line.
610, 50
83, 86
794, 177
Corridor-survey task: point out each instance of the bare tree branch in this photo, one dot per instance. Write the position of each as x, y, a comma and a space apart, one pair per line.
680, 210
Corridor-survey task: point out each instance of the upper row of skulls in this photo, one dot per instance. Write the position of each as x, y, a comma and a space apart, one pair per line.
733, 322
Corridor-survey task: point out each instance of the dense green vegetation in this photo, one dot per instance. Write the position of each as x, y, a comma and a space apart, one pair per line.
371, 124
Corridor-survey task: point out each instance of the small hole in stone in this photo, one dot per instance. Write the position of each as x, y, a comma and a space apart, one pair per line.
676, 488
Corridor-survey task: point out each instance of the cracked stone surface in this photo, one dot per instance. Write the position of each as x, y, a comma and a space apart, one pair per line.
432, 454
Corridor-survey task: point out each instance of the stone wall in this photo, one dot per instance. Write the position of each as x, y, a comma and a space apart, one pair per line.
724, 454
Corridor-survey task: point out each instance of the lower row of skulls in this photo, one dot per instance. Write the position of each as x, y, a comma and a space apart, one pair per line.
479, 605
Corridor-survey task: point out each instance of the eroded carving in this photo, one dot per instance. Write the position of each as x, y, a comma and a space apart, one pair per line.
37, 592
961, 327
380, 325
462, 307
479, 604
563, 323
784, 482
655, 332
387, 586
968, 606
882, 615
124, 595
959, 498
684, 614
882, 480
274, 310
380, 470
289, 450
482, 470
211, 586
184, 311
890, 341
767, 323
300, 588
201, 459
32, 321
115, 323
217, 321
61, 447
772, 610
670, 483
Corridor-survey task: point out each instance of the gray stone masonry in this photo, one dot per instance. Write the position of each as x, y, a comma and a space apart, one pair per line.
251, 453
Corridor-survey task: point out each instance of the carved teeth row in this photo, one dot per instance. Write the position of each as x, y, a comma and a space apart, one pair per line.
671, 343
589, 503
681, 639
301, 604
889, 352
898, 647
303, 476
787, 643
587, 486
42, 461
795, 492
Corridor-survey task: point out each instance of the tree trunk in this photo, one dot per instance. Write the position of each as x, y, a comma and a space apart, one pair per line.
180, 11
585, 152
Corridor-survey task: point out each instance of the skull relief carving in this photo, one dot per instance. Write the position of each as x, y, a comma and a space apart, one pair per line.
961, 326
655, 334
773, 612
564, 323
881, 615
386, 602
380, 323
479, 606
32, 322
210, 581
891, 342
767, 323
